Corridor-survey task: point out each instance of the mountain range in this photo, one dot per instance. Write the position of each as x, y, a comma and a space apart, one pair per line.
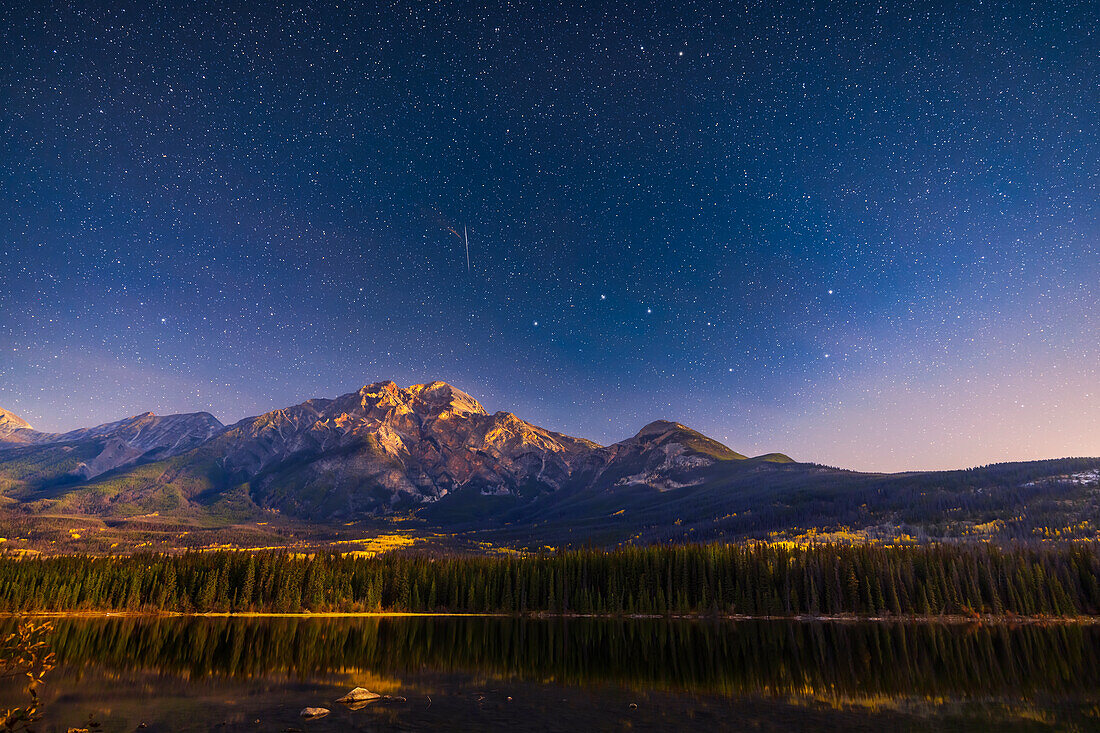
433, 453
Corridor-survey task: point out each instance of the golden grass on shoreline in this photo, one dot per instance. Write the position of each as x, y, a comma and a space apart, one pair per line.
542, 616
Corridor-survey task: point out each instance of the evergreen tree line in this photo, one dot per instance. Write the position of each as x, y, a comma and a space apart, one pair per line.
749, 579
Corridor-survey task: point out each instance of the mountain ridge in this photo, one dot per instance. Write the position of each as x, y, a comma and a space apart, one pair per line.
431, 453
125, 441
375, 450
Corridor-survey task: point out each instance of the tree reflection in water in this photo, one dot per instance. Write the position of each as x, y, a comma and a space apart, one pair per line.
780, 658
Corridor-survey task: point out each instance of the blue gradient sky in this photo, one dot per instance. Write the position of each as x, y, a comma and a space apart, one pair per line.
865, 235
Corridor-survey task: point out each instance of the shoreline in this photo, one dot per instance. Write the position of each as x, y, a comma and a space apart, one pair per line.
954, 620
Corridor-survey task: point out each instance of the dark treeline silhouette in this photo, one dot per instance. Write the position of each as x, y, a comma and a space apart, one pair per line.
750, 579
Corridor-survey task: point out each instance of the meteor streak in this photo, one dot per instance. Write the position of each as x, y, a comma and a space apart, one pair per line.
465, 239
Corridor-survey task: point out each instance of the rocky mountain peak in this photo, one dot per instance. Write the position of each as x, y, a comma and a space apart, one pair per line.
439, 397
9, 421
381, 394
667, 435
398, 444
387, 401
659, 427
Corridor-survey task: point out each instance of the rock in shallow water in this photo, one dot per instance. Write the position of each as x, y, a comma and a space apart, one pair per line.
359, 694
314, 712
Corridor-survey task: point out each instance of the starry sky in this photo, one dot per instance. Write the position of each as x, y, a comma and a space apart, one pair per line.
862, 234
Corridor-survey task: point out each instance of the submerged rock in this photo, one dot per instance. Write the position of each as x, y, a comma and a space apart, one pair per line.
314, 712
358, 705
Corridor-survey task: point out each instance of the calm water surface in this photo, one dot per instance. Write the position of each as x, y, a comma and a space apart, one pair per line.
199, 674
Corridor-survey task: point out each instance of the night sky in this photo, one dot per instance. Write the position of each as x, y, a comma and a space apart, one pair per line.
864, 235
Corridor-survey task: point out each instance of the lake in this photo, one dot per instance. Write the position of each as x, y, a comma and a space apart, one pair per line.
508, 674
